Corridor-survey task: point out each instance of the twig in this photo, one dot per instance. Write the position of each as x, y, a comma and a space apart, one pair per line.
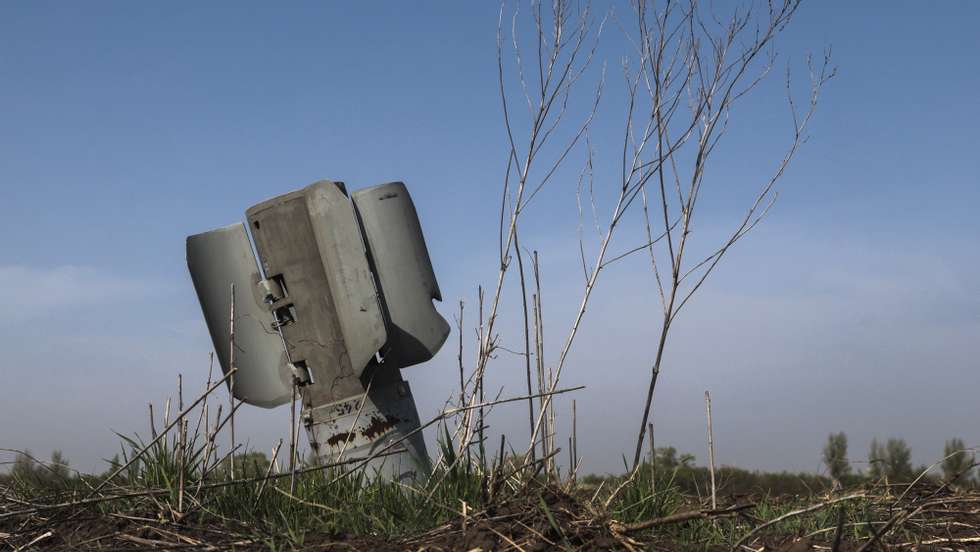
901, 517
459, 355
711, 452
813, 508
163, 433
268, 471
202, 417
927, 470
619, 488
896, 520
357, 417
153, 429
573, 468
678, 518
944, 540
182, 461
527, 332
839, 531
36, 540
231, 366
293, 437
653, 462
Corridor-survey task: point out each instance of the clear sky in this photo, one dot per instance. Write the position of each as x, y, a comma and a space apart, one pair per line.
126, 126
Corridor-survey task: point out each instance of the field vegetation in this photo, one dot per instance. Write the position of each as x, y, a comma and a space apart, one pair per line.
175, 493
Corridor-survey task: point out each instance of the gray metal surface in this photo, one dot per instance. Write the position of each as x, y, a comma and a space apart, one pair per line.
404, 272
310, 241
379, 422
216, 259
344, 279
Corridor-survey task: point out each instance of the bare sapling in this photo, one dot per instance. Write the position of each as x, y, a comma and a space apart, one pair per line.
565, 44
689, 68
653, 461
706, 63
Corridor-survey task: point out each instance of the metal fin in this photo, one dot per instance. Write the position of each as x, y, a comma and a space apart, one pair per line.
416, 330
218, 259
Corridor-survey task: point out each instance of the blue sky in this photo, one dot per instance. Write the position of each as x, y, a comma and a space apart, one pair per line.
125, 127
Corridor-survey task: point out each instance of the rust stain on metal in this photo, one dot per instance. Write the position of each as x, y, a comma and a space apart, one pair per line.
379, 426
340, 438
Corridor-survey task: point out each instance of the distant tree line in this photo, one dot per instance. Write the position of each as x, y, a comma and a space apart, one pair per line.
892, 461
679, 472
889, 461
28, 470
